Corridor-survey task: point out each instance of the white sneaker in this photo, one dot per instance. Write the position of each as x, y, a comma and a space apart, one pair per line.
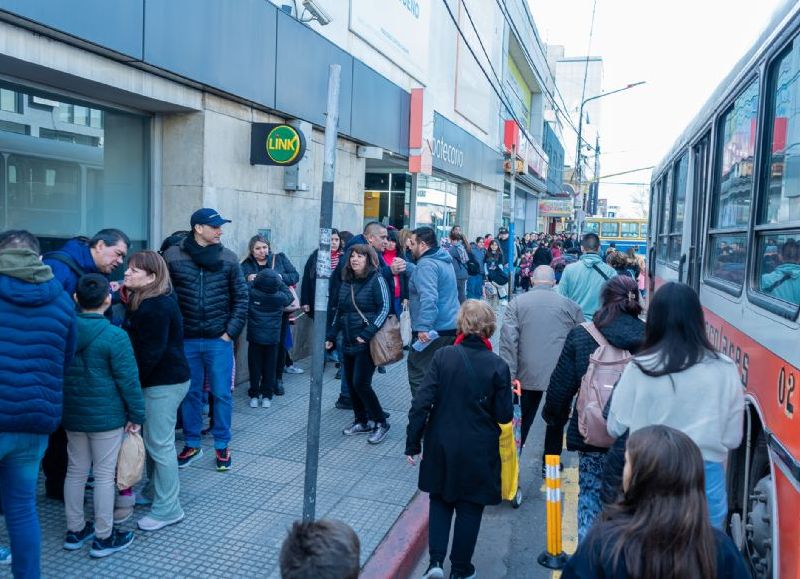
293, 370
254, 403
265, 403
148, 523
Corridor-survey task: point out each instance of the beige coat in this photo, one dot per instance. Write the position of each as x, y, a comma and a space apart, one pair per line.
535, 327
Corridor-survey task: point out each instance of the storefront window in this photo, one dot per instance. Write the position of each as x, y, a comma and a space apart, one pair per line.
437, 200
386, 198
75, 169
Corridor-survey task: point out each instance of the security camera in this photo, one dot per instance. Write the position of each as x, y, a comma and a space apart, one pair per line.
318, 13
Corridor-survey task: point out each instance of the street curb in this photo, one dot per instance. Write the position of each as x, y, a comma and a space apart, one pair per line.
398, 554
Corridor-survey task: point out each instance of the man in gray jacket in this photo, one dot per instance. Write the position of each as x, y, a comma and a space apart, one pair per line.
433, 302
535, 327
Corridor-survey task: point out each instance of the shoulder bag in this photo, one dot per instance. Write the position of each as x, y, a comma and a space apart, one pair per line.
386, 346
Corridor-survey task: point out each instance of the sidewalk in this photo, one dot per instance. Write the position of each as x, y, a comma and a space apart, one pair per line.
236, 521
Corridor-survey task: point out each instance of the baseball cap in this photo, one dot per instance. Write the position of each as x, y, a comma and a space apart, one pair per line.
208, 216
502, 230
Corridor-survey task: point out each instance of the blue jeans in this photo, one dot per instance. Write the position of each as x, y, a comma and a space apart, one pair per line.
212, 358
19, 467
716, 495
475, 287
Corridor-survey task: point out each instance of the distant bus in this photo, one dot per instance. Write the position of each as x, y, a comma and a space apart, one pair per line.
623, 233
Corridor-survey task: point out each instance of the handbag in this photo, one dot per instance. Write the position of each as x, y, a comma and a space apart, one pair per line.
386, 346
130, 461
405, 326
498, 276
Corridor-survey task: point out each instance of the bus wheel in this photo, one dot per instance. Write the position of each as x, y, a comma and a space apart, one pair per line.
759, 514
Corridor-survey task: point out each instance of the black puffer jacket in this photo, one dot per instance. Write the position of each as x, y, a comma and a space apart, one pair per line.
625, 332
212, 302
268, 296
283, 266
372, 296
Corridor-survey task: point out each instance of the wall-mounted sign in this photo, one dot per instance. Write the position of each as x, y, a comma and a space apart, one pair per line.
276, 144
555, 207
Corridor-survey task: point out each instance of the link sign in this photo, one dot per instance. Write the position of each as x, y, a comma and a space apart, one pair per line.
276, 144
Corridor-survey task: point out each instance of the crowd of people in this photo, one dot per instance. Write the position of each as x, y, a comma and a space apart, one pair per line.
156, 352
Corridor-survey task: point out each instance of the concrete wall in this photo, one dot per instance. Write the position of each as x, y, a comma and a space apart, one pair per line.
477, 207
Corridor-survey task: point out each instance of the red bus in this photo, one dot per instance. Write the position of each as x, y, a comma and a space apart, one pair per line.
725, 219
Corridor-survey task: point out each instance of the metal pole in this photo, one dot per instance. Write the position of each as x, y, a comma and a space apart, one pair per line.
321, 295
579, 170
511, 239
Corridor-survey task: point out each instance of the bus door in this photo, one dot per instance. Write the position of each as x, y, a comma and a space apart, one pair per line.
701, 152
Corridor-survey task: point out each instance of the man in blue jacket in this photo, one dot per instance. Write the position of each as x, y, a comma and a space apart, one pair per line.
583, 280
103, 253
433, 302
36, 346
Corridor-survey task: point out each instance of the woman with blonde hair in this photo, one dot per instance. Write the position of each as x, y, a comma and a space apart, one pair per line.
466, 384
155, 327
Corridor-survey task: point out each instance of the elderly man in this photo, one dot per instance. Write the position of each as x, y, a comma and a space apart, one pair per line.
535, 326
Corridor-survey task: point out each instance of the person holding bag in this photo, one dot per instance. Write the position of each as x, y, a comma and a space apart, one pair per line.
155, 327
362, 307
467, 390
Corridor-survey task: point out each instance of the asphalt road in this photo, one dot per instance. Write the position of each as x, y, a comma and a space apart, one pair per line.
511, 539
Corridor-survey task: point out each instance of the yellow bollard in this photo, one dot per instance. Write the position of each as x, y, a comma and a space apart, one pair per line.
554, 556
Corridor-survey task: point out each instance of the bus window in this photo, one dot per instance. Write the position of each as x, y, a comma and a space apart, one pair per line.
630, 230
644, 230
591, 227
777, 261
732, 188
665, 190
609, 230
678, 208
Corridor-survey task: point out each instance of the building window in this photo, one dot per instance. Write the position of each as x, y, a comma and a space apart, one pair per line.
437, 201
386, 198
62, 183
733, 187
10, 101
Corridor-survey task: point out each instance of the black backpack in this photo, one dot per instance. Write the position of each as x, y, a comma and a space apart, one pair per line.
473, 267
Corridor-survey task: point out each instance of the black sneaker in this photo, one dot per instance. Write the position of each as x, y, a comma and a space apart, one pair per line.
188, 456
116, 541
338, 375
279, 391
359, 428
379, 434
434, 571
344, 403
75, 541
223, 459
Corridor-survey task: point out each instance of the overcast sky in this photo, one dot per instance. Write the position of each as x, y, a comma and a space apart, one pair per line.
682, 48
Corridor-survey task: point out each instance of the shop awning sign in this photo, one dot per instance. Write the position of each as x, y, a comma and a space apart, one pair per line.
276, 144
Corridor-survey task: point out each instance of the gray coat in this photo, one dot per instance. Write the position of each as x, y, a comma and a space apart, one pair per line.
535, 327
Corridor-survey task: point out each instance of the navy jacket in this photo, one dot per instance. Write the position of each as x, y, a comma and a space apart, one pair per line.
78, 251
268, 296
156, 333
37, 344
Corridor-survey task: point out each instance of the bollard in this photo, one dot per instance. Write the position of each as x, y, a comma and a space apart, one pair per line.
553, 556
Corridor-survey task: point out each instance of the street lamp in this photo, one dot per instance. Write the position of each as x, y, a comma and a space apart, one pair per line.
578, 162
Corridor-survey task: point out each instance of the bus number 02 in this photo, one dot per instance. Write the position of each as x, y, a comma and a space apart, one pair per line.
785, 392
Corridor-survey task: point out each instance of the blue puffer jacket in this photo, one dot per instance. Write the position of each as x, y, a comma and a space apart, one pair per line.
433, 296
37, 343
78, 251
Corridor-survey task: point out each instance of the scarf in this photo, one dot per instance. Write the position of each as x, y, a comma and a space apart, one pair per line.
208, 257
24, 264
487, 343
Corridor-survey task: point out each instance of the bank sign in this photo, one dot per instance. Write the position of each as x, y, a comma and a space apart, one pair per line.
276, 144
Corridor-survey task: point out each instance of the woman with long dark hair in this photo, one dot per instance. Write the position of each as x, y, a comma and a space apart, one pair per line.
155, 327
618, 322
495, 270
678, 379
659, 528
362, 306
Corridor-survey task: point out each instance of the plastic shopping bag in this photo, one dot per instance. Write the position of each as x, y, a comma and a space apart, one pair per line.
405, 326
509, 462
130, 462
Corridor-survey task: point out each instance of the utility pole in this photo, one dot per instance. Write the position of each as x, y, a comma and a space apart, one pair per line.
512, 247
321, 295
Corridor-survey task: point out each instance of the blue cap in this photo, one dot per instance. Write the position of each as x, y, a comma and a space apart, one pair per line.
208, 216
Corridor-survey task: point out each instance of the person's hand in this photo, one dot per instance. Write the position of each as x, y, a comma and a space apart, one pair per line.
398, 265
412, 460
306, 308
251, 277
361, 340
132, 428
114, 285
226, 338
405, 303
328, 345
423, 337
